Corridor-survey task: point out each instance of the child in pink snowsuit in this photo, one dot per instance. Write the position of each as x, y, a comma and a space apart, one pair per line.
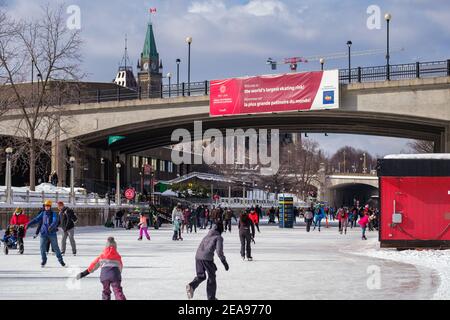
143, 227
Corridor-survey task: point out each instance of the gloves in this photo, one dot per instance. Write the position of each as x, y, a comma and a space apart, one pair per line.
225, 264
35, 236
82, 274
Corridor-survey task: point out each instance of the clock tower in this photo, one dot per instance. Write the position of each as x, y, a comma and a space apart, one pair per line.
149, 66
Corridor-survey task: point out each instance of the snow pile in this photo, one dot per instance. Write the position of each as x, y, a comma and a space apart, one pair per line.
438, 260
46, 187
439, 156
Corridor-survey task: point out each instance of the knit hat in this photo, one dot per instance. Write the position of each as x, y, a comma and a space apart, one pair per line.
111, 242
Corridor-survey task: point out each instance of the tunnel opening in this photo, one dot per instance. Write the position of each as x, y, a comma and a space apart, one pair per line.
354, 193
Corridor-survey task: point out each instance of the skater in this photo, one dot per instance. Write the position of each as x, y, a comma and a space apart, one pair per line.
343, 220
319, 214
177, 229
204, 262
363, 222
246, 235
227, 219
118, 218
272, 215
201, 215
193, 220
19, 221
253, 215
143, 227
186, 219
68, 220
309, 216
177, 212
48, 231
110, 262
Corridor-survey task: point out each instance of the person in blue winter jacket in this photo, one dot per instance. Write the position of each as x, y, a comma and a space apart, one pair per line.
319, 215
49, 221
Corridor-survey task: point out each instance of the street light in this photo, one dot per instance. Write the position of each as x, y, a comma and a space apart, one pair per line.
169, 76
72, 180
322, 62
8, 183
118, 197
189, 42
349, 44
388, 18
178, 76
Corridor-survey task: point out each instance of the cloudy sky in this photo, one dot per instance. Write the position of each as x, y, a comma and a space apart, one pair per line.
235, 37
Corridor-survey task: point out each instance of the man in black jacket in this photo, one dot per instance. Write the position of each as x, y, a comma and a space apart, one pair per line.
204, 262
246, 235
68, 220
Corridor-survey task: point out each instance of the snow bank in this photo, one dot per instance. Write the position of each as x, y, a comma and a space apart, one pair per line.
438, 260
46, 187
439, 156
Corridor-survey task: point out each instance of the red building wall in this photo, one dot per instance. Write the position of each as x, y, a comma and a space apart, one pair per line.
425, 206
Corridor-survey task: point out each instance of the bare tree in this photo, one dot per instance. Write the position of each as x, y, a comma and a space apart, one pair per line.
422, 146
47, 48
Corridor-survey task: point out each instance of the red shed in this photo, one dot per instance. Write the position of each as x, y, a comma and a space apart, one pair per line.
415, 201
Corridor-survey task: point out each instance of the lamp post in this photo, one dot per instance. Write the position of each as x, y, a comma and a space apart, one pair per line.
169, 76
8, 151
189, 42
322, 62
72, 180
118, 196
349, 44
388, 18
178, 76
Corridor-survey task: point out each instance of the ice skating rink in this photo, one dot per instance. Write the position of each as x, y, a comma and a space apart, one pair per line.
288, 264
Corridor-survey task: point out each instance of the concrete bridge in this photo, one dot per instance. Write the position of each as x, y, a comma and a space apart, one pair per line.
414, 108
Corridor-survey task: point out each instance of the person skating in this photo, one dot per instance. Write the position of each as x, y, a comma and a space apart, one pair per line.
253, 215
186, 219
193, 220
111, 266
18, 221
319, 214
309, 216
343, 220
118, 218
48, 231
68, 220
363, 222
143, 226
177, 229
272, 215
227, 219
204, 262
246, 235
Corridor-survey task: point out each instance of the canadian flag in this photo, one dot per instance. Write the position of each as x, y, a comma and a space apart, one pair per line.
152, 10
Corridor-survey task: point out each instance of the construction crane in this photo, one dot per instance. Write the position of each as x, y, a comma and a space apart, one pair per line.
294, 61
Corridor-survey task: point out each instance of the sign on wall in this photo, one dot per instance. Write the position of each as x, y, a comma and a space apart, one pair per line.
275, 93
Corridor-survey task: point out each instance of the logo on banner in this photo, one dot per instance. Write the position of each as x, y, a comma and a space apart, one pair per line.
328, 97
223, 89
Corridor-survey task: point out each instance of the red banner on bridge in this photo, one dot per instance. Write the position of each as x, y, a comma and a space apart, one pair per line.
275, 93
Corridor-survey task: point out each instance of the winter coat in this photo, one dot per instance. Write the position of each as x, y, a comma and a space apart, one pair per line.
49, 223
229, 215
177, 224
186, 216
68, 219
143, 222
110, 262
342, 215
246, 225
212, 242
309, 215
364, 221
19, 220
177, 213
254, 217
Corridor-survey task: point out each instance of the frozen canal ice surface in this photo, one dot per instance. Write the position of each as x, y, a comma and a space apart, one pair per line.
288, 264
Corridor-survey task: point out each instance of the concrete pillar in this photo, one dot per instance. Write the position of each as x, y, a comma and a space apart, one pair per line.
445, 141
58, 159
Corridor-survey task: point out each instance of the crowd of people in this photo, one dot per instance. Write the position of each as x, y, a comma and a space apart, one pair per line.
187, 219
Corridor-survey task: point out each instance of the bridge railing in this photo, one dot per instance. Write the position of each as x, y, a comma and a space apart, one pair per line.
396, 72
356, 75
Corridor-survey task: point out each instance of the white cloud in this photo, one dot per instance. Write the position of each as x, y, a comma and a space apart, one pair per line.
262, 8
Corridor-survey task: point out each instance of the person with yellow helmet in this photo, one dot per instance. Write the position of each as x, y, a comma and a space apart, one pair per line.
49, 221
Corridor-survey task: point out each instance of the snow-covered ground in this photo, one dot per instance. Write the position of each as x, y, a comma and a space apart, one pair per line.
288, 264
438, 260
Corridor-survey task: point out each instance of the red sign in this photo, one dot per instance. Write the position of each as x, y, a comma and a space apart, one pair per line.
130, 194
275, 93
